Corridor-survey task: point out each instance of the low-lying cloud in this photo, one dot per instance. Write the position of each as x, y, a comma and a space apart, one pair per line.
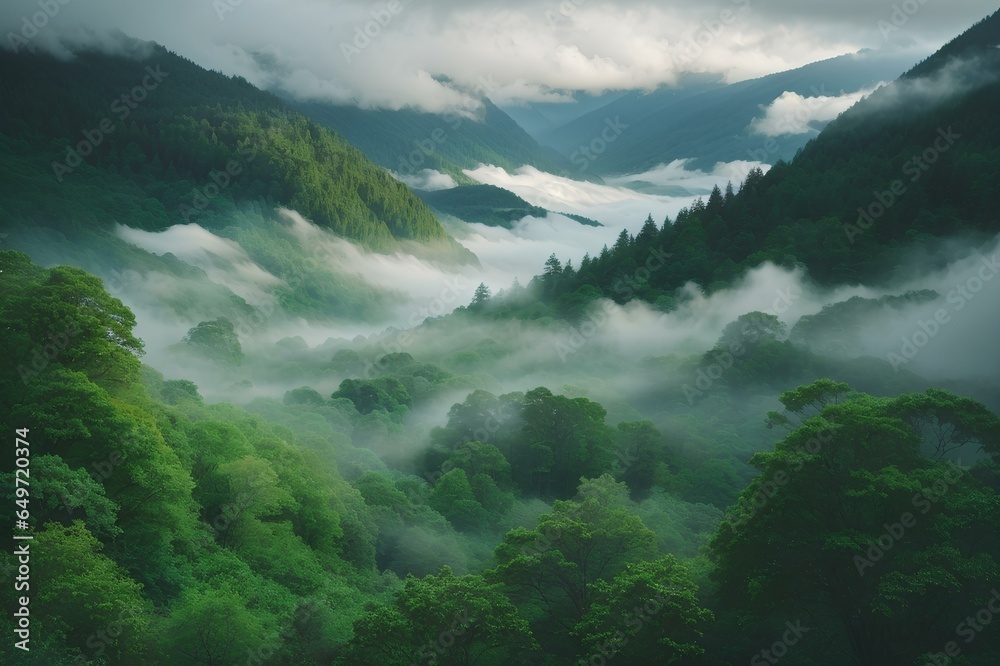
677, 181
429, 180
223, 260
624, 202
792, 113
956, 77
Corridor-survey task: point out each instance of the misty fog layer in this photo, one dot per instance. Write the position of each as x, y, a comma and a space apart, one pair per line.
675, 416
548, 352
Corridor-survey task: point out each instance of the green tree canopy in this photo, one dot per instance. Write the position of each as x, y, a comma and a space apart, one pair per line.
649, 608
217, 339
555, 565
443, 619
849, 524
562, 439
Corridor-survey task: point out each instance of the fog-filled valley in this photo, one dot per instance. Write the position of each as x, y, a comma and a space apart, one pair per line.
300, 369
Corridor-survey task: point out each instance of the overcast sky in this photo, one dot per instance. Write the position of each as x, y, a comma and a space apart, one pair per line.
431, 54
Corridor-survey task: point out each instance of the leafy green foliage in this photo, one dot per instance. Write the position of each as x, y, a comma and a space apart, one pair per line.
215, 526
211, 628
648, 608
849, 522
563, 440
639, 450
217, 339
443, 619
170, 530
556, 564
85, 597
386, 394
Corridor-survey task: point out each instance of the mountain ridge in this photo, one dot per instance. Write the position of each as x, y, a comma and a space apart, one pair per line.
193, 149
407, 141
713, 124
898, 174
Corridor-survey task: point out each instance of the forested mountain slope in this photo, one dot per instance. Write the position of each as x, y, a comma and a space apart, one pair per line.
915, 163
709, 122
167, 142
408, 141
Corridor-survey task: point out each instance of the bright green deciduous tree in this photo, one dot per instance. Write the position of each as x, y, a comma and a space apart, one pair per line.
555, 565
217, 339
210, 628
649, 608
79, 592
443, 619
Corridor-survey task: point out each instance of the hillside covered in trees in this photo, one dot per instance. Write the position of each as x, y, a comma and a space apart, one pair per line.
166, 142
912, 165
407, 141
167, 530
619, 462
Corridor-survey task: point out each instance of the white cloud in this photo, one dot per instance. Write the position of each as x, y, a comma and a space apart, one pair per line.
427, 179
430, 289
792, 113
677, 181
223, 260
432, 54
954, 78
624, 201
521, 251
